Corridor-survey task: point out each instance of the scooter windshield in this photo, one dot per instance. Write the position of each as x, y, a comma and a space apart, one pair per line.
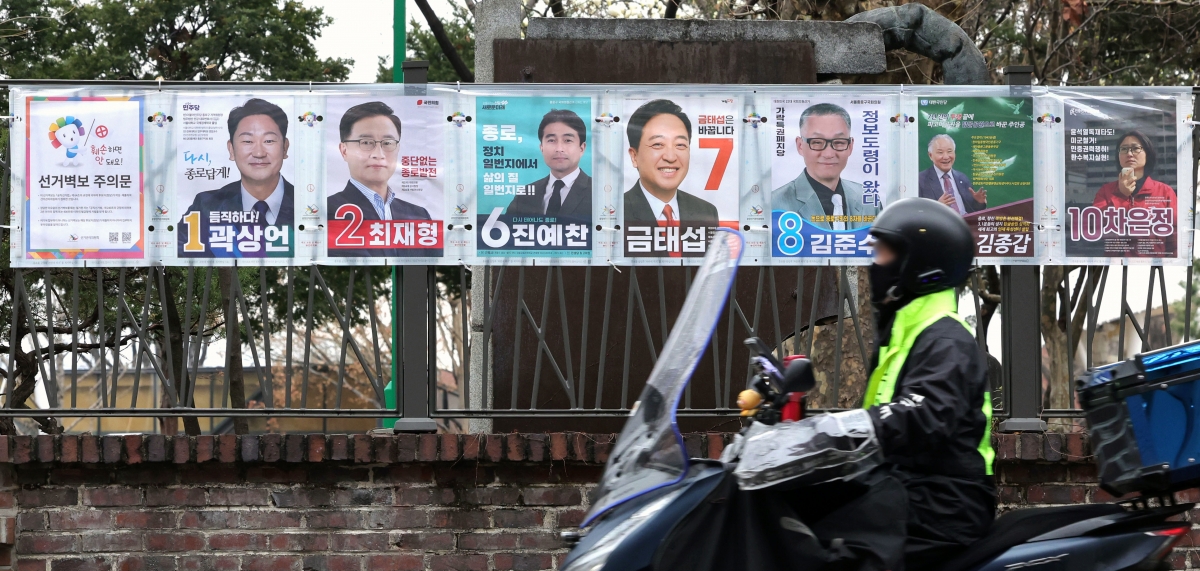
650, 454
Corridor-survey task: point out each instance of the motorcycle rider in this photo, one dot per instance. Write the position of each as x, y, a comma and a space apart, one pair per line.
928, 395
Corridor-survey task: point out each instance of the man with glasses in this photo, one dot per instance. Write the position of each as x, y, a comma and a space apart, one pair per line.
820, 195
942, 183
370, 135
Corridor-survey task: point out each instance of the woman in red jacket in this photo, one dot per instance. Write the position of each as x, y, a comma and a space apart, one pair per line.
1134, 188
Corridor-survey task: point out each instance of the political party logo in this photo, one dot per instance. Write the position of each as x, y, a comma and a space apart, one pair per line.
607, 119
311, 209
73, 237
460, 208
903, 119
609, 209
67, 133
160, 119
756, 209
754, 119
311, 119
1049, 119
428, 103
459, 119
161, 210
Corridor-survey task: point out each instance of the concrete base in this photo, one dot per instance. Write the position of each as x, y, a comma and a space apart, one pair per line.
415, 425
1023, 425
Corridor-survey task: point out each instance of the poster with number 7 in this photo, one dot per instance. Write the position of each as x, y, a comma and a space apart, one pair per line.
681, 174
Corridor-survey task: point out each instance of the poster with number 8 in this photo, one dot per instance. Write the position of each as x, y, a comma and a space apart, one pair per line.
681, 175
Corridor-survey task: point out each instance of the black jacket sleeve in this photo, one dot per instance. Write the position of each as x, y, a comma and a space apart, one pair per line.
940, 387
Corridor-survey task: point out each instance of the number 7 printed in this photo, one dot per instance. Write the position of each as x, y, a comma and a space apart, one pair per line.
724, 149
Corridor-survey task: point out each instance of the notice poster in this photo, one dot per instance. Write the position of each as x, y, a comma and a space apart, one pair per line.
1122, 178
233, 177
831, 175
681, 178
384, 177
534, 196
83, 192
977, 158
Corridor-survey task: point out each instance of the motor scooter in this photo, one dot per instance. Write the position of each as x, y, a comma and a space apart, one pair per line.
650, 488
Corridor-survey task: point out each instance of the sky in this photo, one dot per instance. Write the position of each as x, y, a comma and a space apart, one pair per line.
362, 30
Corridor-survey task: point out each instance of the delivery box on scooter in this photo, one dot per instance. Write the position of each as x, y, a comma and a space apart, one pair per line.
1143, 420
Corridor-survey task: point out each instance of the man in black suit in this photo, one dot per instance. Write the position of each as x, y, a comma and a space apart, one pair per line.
942, 183
563, 140
660, 141
258, 145
370, 135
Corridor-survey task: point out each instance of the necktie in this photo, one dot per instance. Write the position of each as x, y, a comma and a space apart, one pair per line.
261, 208
948, 190
674, 246
838, 211
555, 199
669, 214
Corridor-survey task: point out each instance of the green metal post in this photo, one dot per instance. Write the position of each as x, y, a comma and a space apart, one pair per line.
398, 51
398, 56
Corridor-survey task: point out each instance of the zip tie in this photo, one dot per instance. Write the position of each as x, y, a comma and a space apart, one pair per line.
160, 84
310, 86
459, 86
614, 266
464, 266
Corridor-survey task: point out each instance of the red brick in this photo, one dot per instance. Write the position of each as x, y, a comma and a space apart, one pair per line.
209, 562
397, 562
8, 500
362, 448
238, 497
91, 449
1010, 494
395, 518
449, 447
571, 518
493, 447
156, 496
1005, 445
299, 542
488, 541
537, 447
333, 562
1030, 446
89, 564
45, 448
147, 563
238, 541
602, 445
471, 445
227, 448
339, 447
272, 447
360, 542
211, 474
1077, 449
118, 542
427, 447
42, 497
249, 448
31, 521
715, 445
144, 520
204, 448
209, 520
425, 541
86, 519
69, 448
36, 544
540, 540
293, 446
260, 519
518, 518
181, 449
301, 498
694, 443
1053, 447
458, 519
523, 561
1051, 494
458, 562
271, 563
133, 448
551, 496
361, 497
110, 449
337, 519
112, 496
490, 496
579, 447
408, 496
276, 474
406, 447
316, 447
558, 446
405, 474
514, 449
22, 449
30, 564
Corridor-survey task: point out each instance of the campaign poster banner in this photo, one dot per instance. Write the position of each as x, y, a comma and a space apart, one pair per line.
681, 179
830, 175
977, 158
83, 191
534, 169
233, 188
1121, 166
384, 175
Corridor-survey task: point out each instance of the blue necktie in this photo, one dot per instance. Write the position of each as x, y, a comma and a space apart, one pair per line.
261, 208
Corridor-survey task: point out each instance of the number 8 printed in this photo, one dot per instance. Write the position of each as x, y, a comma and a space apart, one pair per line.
790, 242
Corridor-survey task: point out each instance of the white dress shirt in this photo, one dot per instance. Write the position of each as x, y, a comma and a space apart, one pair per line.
273, 202
562, 194
382, 207
657, 205
958, 201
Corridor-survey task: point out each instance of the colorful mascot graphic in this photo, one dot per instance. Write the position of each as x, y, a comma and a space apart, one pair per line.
67, 133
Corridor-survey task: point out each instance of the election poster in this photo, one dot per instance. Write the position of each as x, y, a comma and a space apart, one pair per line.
384, 173
680, 181
1122, 178
83, 183
977, 158
233, 188
831, 174
534, 169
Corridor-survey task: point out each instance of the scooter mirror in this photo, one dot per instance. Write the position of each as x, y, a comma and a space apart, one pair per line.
799, 377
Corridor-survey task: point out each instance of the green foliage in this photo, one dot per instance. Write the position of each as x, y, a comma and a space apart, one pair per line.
421, 44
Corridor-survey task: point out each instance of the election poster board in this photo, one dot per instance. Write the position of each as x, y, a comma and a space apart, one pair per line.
234, 191
384, 178
534, 185
976, 156
1124, 164
831, 175
83, 198
680, 178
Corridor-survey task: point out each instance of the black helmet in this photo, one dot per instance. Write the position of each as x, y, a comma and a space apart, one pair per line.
933, 244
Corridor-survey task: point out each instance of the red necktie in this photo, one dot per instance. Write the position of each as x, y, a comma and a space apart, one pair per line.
669, 214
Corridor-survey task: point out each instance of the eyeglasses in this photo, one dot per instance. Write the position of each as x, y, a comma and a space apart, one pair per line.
818, 144
1131, 149
389, 145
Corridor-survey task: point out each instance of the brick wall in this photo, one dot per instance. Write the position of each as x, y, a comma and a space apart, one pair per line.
340, 503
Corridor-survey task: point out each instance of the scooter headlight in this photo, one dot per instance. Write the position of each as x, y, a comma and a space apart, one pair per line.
597, 556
